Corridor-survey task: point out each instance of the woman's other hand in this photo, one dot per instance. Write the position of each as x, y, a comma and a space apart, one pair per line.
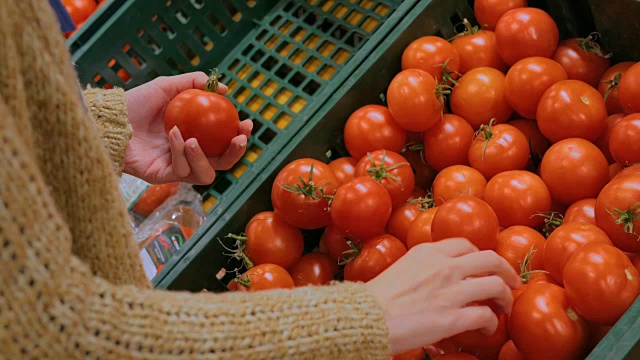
156, 158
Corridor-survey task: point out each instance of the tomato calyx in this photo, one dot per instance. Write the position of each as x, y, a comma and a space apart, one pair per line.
351, 254
446, 74
213, 84
613, 84
244, 280
307, 188
627, 218
485, 132
525, 266
424, 203
589, 44
238, 253
379, 172
468, 29
552, 221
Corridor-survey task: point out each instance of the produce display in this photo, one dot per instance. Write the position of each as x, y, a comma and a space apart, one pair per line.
80, 11
538, 161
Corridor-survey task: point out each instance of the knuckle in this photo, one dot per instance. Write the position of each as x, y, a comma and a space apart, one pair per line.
495, 283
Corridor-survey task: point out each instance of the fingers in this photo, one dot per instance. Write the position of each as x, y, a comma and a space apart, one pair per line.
179, 162
246, 127
174, 85
454, 247
233, 154
201, 171
485, 288
475, 318
487, 263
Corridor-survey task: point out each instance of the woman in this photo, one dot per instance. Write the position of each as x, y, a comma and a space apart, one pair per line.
71, 283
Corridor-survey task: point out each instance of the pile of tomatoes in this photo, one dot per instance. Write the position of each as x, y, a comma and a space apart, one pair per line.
80, 11
502, 136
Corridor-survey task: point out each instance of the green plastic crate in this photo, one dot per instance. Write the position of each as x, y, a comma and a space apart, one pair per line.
321, 138
281, 60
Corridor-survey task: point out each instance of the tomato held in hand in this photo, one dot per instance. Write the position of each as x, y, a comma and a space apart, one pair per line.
458, 180
528, 80
375, 256
606, 271
392, 171
271, 240
526, 32
206, 116
572, 109
480, 96
628, 91
457, 356
403, 217
415, 100
565, 241
419, 231
372, 128
498, 148
583, 59
574, 169
485, 347
263, 277
519, 243
582, 211
466, 217
618, 212
543, 325
361, 207
488, 12
423, 173
447, 142
79, 10
477, 48
517, 196
314, 268
624, 141
300, 191
510, 352
608, 86
153, 197
605, 138
433, 55
344, 169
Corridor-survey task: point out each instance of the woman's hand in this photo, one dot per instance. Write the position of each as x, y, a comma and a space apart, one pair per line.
156, 158
425, 295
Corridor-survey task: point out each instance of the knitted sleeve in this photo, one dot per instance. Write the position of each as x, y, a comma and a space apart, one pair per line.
51, 306
109, 109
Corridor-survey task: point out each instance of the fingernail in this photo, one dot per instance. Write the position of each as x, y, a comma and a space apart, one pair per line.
243, 143
194, 147
174, 133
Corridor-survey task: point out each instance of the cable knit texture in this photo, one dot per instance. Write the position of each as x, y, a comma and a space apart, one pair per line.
71, 282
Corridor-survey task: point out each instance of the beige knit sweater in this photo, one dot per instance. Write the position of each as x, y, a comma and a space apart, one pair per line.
71, 283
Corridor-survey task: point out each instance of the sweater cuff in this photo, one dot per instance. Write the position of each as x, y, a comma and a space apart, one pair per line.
109, 109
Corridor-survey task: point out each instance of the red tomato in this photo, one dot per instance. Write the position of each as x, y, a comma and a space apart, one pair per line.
623, 143
628, 91
499, 148
457, 356
488, 12
361, 207
314, 268
633, 169
509, 352
615, 169
477, 48
608, 86
344, 169
433, 55
208, 117
402, 217
417, 194
458, 180
424, 174
263, 277
543, 325
582, 211
528, 279
79, 10
565, 241
300, 191
606, 271
419, 231
375, 256
417, 354
372, 128
528, 80
516, 197
574, 169
604, 139
485, 347
572, 109
526, 32
392, 171
618, 212
271, 240
636, 263
335, 241
447, 142
153, 197
467, 217
415, 100
538, 144
517, 243
583, 59
480, 97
